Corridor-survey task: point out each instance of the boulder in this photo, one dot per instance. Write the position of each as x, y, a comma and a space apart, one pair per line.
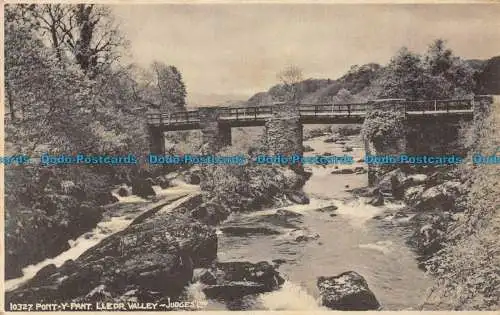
412, 194
163, 182
192, 177
287, 214
142, 187
307, 148
328, 208
347, 149
392, 181
210, 213
360, 170
124, 191
248, 230
343, 171
301, 235
238, 279
429, 232
105, 198
204, 276
441, 196
414, 180
156, 255
347, 292
377, 200
298, 197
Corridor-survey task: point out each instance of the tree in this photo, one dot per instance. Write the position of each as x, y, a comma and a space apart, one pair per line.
85, 32
163, 88
290, 77
447, 75
343, 97
402, 78
438, 74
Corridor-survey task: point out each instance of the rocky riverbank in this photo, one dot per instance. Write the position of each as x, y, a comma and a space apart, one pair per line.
155, 257
430, 195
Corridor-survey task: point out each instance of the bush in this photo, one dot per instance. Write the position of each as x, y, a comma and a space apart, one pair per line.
382, 127
348, 130
467, 270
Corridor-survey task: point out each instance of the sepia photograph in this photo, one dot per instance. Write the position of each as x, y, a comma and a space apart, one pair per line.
250, 156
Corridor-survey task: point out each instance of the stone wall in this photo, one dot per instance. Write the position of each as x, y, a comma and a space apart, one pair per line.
394, 144
427, 135
284, 131
215, 134
156, 141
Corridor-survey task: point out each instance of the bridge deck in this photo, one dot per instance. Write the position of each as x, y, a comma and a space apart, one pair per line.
310, 113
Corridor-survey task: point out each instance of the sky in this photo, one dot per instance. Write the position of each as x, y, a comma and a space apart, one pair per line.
236, 50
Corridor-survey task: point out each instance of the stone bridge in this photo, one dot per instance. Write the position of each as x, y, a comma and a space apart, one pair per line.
432, 122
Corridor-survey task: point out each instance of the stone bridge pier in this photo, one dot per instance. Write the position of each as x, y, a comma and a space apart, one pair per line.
421, 134
215, 134
156, 140
284, 130
393, 145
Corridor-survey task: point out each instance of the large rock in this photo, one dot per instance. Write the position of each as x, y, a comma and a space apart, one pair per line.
142, 187
124, 191
163, 182
393, 181
414, 180
249, 230
193, 177
210, 212
303, 235
307, 148
412, 195
156, 257
429, 233
441, 196
298, 197
343, 171
238, 279
377, 200
347, 292
105, 198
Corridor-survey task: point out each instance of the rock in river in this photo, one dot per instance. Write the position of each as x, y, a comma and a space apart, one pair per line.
142, 187
240, 278
347, 292
156, 257
297, 197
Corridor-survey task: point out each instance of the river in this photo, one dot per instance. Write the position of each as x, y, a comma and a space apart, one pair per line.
350, 240
116, 218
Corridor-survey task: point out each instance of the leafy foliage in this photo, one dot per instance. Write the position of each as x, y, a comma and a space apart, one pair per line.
381, 126
436, 75
467, 270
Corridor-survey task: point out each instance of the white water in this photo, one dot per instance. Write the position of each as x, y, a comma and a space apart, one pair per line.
103, 229
78, 246
351, 240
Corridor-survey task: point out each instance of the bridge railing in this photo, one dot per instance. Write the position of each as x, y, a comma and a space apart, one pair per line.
438, 106
173, 118
312, 110
245, 113
315, 110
